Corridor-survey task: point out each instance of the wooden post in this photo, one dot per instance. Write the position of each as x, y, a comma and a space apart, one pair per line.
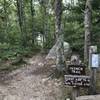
75, 93
92, 90
75, 90
93, 81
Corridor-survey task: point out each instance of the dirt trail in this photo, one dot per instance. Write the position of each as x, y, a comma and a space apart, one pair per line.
31, 83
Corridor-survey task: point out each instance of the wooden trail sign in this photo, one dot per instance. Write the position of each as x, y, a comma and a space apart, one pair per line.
77, 80
76, 77
76, 69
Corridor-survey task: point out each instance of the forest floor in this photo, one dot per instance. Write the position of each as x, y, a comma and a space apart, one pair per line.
31, 82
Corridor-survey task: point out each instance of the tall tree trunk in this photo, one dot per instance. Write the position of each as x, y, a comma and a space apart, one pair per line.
21, 16
6, 20
44, 4
60, 61
32, 14
87, 25
46, 20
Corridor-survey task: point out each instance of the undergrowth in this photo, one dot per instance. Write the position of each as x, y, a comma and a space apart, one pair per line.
12, 57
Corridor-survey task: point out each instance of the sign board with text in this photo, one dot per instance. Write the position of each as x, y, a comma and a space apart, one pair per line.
77, 80
76, 69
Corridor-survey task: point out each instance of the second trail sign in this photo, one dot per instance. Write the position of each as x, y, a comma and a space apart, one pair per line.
76, 76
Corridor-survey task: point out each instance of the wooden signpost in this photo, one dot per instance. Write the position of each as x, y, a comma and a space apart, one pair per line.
93, 64
76, 77
76, 73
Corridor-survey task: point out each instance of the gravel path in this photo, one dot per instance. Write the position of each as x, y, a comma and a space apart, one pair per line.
31, 83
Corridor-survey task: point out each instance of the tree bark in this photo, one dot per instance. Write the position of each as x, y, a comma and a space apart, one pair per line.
6, 20
44, 6
21, 16
32, 14
60, 60
87, 25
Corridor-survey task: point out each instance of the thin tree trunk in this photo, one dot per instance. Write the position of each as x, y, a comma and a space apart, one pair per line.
46, 21
32, 14
21, 16
87, 25
6, 19
44, 4
60, 61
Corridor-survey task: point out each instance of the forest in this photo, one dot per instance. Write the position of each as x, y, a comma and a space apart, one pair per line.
22, 22
31, 28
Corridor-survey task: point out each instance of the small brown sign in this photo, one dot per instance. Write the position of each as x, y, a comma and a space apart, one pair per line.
76, 69
77, 80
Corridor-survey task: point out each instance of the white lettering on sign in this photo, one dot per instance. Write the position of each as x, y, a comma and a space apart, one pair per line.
82, 81
76, 69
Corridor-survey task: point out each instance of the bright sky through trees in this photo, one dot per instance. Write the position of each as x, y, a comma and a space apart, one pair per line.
69, 1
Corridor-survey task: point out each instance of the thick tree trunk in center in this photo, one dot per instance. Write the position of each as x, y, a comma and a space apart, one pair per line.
60, 61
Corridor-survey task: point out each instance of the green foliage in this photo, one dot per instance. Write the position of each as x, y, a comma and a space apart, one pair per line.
43, 22
74, 24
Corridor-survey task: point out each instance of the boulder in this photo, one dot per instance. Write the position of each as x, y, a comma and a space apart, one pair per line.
52, 52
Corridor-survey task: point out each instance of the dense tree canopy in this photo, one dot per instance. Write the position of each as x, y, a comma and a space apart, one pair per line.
30, 24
